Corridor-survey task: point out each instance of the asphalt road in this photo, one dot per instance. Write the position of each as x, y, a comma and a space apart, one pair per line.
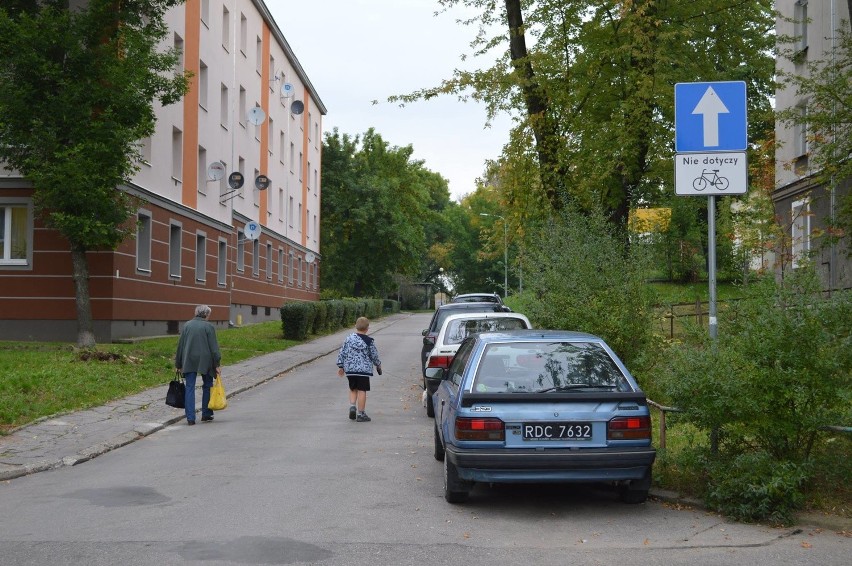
284, 477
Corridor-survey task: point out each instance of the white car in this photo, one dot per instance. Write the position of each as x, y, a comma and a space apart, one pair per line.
456, 328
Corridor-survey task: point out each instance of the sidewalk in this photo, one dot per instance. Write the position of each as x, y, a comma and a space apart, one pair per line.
73, 438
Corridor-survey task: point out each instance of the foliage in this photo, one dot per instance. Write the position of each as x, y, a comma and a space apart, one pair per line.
43, 378
580, 276
825, 86
77, 87
296, 320
754, 487
778, 372
376, 204
592, 92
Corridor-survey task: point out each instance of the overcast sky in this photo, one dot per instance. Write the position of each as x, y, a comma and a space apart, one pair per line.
357, 51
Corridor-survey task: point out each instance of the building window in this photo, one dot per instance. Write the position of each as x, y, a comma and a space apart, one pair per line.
280, 265
800, 231
271, 134
223, 107
175, 234
299, 219
800, 130
177, 154
243, 34
272, 80
202, 170
258, 65
241, 251
222, 268
241, 167
223, 182
292, 156
290, 213
143, 241
280, 204
200, 258
255, 259
300, 274
178, 46
202, 85
269, 261
145, 150
281, 147
800, 19
15, 233
300, 166
205, 12
292, 269
226, 29
242, 109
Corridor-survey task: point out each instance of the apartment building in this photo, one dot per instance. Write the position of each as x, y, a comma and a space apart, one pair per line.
803, 205
251, 114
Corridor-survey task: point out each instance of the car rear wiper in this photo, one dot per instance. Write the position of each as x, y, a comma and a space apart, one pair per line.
572, 386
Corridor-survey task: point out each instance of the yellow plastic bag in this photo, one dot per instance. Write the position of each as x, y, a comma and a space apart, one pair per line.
218, 400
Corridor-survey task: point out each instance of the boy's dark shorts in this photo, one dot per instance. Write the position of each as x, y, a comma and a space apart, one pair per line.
358, 383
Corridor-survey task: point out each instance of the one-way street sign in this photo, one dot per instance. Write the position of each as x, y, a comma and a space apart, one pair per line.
710, 117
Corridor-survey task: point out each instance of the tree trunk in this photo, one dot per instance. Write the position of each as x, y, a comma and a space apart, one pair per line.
546, 139
85, 330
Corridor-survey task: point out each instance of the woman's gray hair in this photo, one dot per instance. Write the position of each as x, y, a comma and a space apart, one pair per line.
202, 311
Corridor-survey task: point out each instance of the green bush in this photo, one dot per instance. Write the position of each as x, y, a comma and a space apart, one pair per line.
390, 306
778, 372
756, 487
580, 275
295, 320
336, 314
320, 317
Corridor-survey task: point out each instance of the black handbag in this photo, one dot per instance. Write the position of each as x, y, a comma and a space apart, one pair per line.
176, 393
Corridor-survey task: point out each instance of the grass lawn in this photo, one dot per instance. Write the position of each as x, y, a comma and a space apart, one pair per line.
47, 378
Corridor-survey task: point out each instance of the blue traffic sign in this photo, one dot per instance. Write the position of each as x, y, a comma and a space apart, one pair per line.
710, 117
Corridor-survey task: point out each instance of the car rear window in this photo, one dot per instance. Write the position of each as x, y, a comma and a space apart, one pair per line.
442, 313
532, 367
458, 330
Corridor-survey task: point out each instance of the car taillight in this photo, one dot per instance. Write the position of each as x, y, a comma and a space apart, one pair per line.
479, 429
439, 362
629, 428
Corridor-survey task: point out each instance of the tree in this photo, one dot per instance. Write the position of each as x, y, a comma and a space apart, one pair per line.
829, 117
376, 202
77, 87
594, 91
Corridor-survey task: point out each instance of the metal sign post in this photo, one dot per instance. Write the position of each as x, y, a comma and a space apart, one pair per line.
710, 141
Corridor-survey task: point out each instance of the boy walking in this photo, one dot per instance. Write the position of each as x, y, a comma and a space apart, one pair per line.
356, 359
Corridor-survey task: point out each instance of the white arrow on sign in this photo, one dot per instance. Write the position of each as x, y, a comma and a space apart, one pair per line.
710, 106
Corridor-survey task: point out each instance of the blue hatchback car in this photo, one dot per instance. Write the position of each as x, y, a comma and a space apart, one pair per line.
537, 406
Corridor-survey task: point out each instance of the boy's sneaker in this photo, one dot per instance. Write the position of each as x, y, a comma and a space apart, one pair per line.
352, 413
363, 418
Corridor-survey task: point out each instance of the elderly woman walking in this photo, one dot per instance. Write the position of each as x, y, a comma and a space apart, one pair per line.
198, 353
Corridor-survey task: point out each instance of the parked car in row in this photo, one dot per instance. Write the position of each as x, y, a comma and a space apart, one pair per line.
441, 313
478, 298
455, 329
535, 406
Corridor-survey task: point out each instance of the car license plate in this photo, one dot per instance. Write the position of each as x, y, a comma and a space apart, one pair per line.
557, 431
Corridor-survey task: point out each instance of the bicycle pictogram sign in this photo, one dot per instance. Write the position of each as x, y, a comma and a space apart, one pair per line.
710, 178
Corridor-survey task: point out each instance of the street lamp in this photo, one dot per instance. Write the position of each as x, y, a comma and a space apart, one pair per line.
505, 252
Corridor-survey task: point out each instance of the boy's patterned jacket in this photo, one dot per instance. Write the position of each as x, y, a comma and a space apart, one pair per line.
358, 355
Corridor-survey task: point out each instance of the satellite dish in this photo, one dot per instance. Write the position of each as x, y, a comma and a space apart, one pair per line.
256, 115
310, 257
297, 107
236, 180
288, 90
261, 182
252, 231
215, 171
